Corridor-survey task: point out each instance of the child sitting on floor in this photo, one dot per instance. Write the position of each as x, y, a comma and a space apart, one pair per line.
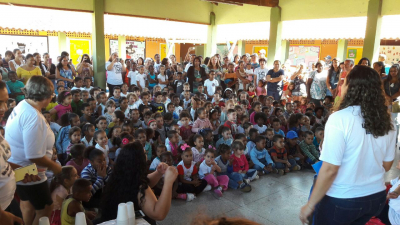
279, 155
308, 148
207, 169
260, 157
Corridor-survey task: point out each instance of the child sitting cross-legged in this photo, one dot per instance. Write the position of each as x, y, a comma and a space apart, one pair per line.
156, 161
224, 161
260, 157
189, 182
293, 147
226, 136
279, 155
240, 163
207, 172
308, 148
81, 192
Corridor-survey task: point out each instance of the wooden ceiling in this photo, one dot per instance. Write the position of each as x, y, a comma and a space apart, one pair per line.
266, 3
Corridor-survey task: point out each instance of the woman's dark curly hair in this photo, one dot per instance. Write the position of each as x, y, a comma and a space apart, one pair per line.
364, 89
128, 179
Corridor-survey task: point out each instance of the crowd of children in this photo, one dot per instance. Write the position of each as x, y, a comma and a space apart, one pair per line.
218, 140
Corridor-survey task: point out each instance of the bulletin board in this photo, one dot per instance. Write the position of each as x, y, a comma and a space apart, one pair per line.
163, 50
135, 49
392, 53
256, 49
78, 47
355, 53
307, 54
27, 44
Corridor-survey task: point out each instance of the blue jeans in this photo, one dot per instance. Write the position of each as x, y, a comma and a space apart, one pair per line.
251, 174
263, 161
341, 211
279, 165
234, 178
276, 94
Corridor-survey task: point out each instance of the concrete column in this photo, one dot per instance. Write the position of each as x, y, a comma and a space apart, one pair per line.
373, 30
285, 51
274, 42
122, 47
98, 45
62, 42
211, 46
342, 49
241, 47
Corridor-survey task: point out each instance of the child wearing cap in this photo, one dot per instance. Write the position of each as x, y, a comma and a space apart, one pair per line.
293, 148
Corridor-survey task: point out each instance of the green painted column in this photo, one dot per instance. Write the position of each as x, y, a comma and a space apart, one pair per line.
98, 46
373, 30
62, 42
285, 51
342, 49
275, 31
199, 50
241, 47
122, 47
211, 46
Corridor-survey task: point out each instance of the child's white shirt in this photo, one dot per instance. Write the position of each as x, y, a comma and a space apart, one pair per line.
204, 169
186, 103
105, 151
178, 110
142, 80
156, 161
133, 76
260, 129
86, 142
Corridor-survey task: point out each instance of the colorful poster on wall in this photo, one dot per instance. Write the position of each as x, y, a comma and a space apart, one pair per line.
163, 50
352, 53
392, 53
78, 47
27, 44
303, 54
135, 49
222, 50
257, 49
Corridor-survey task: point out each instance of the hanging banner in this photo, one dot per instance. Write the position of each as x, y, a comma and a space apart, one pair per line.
135, 49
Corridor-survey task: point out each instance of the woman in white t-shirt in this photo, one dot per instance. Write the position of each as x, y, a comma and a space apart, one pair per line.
114, 68
31, 140
359, 146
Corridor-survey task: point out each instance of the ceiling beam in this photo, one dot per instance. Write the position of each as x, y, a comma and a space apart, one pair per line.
266, 3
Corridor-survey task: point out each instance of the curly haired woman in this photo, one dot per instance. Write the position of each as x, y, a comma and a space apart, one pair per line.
130, 182
358, 148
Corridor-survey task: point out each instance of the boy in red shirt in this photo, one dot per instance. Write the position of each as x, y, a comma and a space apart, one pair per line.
279, 156
230, 123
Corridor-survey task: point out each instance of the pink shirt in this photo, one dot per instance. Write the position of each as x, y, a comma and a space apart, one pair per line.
59, 192
201, 124
261, 91
78, 168
61, 110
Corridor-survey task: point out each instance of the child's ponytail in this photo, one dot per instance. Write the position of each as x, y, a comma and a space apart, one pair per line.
59, 178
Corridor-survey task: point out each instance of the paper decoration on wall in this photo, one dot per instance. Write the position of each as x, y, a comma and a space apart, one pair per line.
304, 54
392, 54
77, 48
27, 44
352, 53
135, 49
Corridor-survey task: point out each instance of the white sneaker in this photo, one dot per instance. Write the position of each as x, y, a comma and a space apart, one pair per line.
256, 177
208, 188
247, 181
190, 197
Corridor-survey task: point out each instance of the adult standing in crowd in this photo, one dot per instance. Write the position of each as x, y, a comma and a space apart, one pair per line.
196, 75
190, 63
253, 62
173, 63
26, 120
148, 62
316, 84
261, 72
50, 67
140, 62
84, 68
28, 70
16, 60
358, 148
7, 57
114, 67
214, 64
38, 63
379, 67
64, 70
391, 85
348, 66
275, 81
131, 182
299, 83
333, 77
364, 62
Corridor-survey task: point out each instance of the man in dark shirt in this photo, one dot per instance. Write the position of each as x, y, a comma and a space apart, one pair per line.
274, 81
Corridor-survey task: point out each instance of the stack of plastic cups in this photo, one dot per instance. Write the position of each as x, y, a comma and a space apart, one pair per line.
131, 213
44, 221
122, 216
80, 218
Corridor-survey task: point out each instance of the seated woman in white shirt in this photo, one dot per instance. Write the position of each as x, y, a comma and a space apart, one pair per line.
359, 146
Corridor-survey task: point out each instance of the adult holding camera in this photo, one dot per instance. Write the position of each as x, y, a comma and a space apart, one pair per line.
114, 68
130, 181
85, 68
31, 140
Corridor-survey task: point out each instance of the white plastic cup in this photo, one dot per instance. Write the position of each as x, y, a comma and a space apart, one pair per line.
80, 218
44, 221
122, 215
131, 213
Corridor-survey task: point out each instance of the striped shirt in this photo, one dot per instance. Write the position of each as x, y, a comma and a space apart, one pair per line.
89, 173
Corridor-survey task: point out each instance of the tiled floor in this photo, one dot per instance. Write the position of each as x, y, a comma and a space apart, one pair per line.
273, 200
